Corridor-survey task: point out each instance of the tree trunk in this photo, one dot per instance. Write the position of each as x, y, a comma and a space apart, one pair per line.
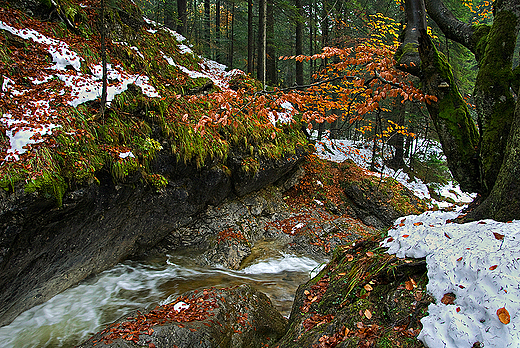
407, 55
494, 102
450, 115
299, 42
271, 75
182, 17
250, 36
207, 27
262, 40
217, 32
232, 38
324, 29
103, 60
503, 202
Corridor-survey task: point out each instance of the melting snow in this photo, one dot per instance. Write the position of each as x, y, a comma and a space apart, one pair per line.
472, 261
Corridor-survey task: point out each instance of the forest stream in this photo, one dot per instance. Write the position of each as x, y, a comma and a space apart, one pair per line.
74, 315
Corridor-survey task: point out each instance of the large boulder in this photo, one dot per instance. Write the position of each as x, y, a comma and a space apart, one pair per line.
240, 317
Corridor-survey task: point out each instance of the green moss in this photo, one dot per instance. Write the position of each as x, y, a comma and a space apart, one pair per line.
494, 101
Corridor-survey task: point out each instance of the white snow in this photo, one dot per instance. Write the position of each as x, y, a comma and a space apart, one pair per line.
61, 54
180, 306
479, 262
124, 155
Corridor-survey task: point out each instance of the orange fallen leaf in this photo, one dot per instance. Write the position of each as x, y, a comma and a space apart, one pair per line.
389, 239
405, 235
446, 235
503, 315
417, 223
498, 236
367, 287
401, 224
459, 259
448, 298
369, 253
408, 285
493, 267
458, 309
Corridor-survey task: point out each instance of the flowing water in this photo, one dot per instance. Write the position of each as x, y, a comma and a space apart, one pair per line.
74, 315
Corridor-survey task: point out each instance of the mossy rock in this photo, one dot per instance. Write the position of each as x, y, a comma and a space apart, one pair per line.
362, 298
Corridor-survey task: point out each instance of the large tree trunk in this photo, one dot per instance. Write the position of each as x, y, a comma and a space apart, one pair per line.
503, 203
493, 48
450, 115
493, 99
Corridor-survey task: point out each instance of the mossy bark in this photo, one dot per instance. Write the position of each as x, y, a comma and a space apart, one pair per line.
503, 203
494, 101
457, 131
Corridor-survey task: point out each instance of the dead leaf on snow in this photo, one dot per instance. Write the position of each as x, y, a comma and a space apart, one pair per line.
448, 298
503, 316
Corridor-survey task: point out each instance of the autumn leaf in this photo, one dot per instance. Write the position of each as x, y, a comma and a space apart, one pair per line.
417, 223
459, 259
369, 253
368, 314
405, 235
408, 285
367, 287
448, 298
458, 309
498, 236
503, 315
493, 267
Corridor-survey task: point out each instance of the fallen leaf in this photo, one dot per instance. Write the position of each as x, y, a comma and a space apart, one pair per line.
367, 287
390, 239
408, 285
417, 223
498, 236
369, 253
403, 220
368, 314
446, 235
503, 315
481, 222
459, 259
448, 298
458, 309
401, 224
349, 257
405, 235
493, 267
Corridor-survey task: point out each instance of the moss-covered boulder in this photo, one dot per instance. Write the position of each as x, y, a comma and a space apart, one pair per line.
362, 298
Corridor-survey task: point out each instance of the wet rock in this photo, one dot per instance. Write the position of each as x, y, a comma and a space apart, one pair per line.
45, 249
239, 317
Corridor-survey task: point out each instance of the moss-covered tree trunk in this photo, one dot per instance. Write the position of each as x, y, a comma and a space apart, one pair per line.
450, 115
493, 99
503, 203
